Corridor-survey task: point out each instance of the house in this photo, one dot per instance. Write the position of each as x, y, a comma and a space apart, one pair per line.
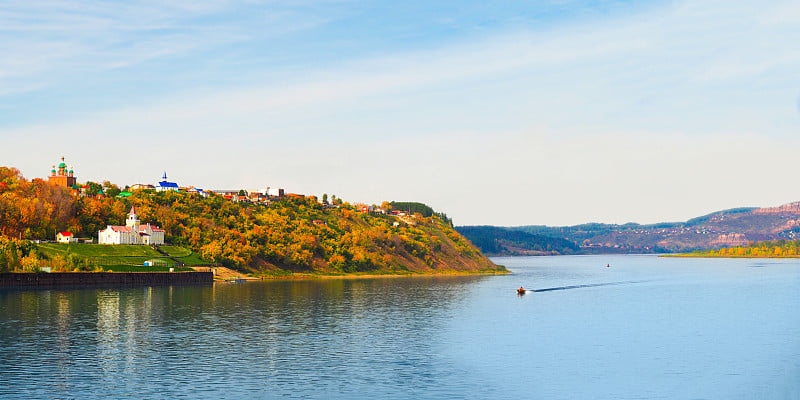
132, 233
275, 192
66, 237
141, 186
194, 190
165, 185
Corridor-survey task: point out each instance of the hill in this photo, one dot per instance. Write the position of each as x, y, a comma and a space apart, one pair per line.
289, 235
493, 240
726, 228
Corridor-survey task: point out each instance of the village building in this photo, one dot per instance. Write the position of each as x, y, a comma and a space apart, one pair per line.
165, 185
194, 190
275, 192
62, 176
66, 237
142, 186
132, 233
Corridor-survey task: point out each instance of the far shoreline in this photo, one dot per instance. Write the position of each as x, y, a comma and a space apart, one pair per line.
688, 255
310, 276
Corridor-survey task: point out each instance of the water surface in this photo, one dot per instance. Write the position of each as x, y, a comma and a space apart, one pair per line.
644, 328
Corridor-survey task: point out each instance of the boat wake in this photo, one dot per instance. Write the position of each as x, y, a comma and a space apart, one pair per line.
582, 286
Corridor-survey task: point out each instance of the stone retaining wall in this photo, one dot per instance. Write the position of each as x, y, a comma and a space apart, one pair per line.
55, 279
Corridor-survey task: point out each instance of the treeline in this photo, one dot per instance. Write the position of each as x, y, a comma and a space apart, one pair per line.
35, 208
24, 256
505, 241
769, 248
296, 235
424, 210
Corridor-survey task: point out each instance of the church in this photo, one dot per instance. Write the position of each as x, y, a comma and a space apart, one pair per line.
63, 176
132, 233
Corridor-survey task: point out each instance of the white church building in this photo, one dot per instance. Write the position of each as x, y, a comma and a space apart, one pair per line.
132, 233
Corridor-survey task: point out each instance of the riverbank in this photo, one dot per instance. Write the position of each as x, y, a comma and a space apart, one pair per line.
690, 255
308, 276
86, 279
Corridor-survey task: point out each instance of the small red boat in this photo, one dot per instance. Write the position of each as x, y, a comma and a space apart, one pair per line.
521, 290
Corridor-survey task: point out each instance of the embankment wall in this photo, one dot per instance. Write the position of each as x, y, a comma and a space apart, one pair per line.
78, 279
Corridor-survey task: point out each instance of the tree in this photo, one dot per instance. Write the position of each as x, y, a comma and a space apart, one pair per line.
94, 188
113, 191
324, 198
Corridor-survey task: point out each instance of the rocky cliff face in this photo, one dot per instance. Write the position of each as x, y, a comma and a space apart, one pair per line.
791, 208
730, 240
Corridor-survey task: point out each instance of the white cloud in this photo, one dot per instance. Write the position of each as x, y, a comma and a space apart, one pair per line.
663, 116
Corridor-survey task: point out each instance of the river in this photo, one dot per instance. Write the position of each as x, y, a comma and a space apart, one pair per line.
643, 328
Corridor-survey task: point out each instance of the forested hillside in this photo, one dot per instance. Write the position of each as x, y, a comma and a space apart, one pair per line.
494, 240
297, 235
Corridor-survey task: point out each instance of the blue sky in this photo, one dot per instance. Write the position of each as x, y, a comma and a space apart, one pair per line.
506, 113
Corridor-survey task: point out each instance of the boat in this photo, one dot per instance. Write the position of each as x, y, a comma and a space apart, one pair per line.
521, 290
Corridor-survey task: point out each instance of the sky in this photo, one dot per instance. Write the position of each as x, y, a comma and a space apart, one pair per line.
497, 113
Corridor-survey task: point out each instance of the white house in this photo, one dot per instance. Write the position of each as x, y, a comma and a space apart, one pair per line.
66, 237
132, 233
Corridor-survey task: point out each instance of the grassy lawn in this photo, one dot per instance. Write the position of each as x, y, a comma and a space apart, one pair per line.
193, 259
99, 250
118, 257
186, 256
176, 251
138, 268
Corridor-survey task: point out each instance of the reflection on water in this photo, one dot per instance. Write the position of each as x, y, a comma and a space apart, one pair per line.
275, 339
646, 328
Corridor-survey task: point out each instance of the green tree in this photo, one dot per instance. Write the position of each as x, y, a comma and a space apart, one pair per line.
94, 188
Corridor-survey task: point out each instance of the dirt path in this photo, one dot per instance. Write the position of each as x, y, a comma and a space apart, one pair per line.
223, 273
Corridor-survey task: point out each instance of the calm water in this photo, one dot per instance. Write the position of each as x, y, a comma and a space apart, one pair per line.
646, 328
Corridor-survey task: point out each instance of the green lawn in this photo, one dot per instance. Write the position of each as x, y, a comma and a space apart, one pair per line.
139, 268
99, 250
118, 256
176, 251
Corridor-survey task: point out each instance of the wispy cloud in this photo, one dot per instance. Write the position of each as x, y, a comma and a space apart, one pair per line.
52, 41
617, 118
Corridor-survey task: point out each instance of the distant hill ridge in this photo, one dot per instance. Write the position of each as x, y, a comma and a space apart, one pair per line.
726, 228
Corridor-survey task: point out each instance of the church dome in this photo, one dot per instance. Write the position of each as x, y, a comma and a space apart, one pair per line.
62, 165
